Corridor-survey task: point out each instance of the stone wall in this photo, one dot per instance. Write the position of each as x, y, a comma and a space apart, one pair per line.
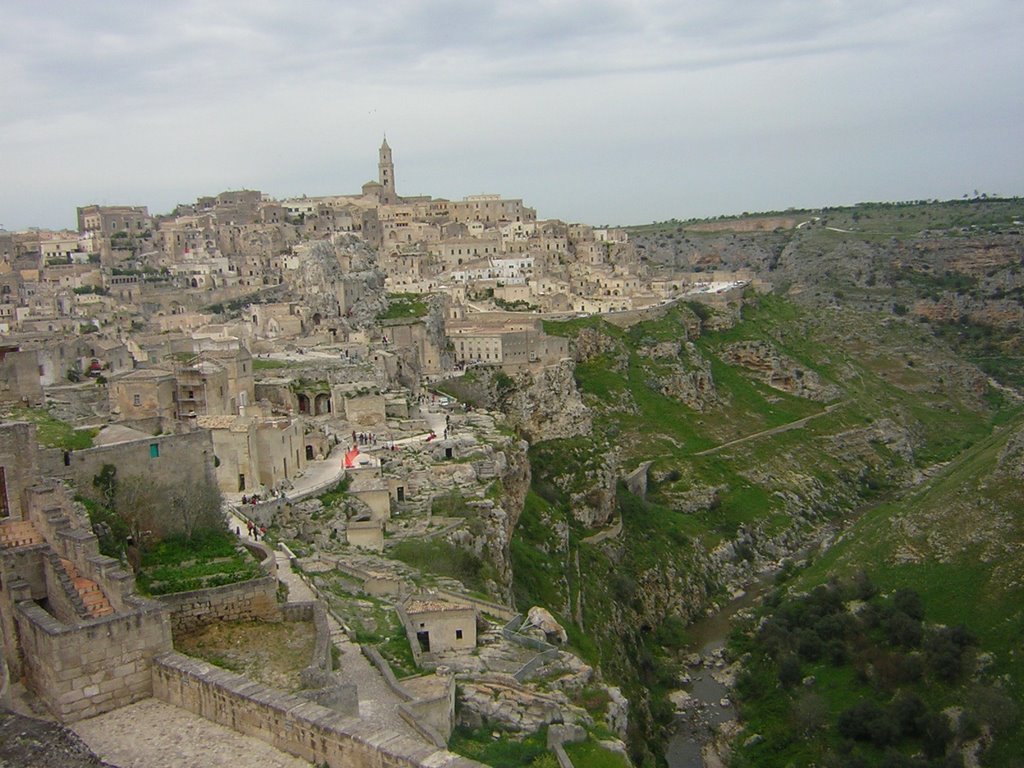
85, 670
18, 462
253, 600
301, 728
179, 459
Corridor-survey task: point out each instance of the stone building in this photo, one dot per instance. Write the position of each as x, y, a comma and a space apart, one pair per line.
145, 399
436, 626
254, 451
72, 627
20, 376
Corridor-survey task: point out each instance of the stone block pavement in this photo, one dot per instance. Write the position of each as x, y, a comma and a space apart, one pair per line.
152, 734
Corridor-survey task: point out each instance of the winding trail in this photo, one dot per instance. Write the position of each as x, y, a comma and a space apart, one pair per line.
377, 702
773, 431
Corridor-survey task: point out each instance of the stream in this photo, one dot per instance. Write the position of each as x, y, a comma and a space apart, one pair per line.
710, 704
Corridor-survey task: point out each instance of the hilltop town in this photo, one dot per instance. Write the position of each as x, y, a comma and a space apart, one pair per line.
283, 350
488, 468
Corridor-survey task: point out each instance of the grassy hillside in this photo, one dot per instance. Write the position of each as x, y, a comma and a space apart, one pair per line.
956, 542
742, 471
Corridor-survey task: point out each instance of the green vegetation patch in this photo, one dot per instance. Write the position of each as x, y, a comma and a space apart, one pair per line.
212, 558
337, 494
845, 676
507, 750
593, 755
404, 305
374, 622
443, 558
53, 432
263, 364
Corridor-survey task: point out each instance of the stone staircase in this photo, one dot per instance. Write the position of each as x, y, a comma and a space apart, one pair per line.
19, 533
89, 592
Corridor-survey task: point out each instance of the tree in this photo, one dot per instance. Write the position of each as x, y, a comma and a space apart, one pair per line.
810, 713
105, 481
195, 507
789, 671
137, 502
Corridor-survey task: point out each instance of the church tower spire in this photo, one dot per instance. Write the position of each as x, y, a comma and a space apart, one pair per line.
387, 174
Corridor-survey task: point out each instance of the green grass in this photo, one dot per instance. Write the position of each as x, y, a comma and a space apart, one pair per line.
211, 559
827, 468
970, 583
374, 621
51, 431
593, 755
875, 219
442, 558
506, 751
404, 305
337, 494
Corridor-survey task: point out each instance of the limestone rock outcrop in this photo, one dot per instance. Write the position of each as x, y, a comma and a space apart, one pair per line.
542, 619
779, 371
547, 405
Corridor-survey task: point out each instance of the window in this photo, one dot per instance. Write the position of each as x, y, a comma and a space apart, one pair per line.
458, 634
154, 450
136, 400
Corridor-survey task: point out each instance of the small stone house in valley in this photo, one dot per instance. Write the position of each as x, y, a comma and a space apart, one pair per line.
436, 626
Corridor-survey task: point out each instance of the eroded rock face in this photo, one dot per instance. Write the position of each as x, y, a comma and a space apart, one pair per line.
595, 504
590, 344
547, 405
778, 371
1011, 460
690, 380
513, 707
617, 715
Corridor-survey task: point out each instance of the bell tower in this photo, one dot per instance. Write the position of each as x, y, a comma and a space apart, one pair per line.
387, 174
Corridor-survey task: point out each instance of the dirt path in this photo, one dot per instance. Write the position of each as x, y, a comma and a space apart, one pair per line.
773, 431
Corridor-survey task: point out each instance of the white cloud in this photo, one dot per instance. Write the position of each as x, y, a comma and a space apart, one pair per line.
612, 111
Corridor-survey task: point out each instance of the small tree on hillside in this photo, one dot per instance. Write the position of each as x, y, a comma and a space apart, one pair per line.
195, 507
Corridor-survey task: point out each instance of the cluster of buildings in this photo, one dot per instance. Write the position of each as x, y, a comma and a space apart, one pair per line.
245, 337
173, 312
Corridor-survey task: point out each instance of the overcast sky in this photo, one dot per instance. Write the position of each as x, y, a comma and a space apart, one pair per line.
603, 111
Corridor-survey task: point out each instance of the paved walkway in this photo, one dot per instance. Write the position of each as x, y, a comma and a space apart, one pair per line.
611, 532
152, 734
317, 477
376, 700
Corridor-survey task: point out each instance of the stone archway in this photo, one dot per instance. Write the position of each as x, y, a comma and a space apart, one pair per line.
322, 404
303, 403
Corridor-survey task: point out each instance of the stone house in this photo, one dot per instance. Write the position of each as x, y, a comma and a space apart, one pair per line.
436, 626
254, 451
145, 399
20, 380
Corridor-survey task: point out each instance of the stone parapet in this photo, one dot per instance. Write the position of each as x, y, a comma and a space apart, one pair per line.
95, 666
291, 724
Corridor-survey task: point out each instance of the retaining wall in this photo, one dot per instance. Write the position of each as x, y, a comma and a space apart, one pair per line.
93, 667
299, 727
253, 600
